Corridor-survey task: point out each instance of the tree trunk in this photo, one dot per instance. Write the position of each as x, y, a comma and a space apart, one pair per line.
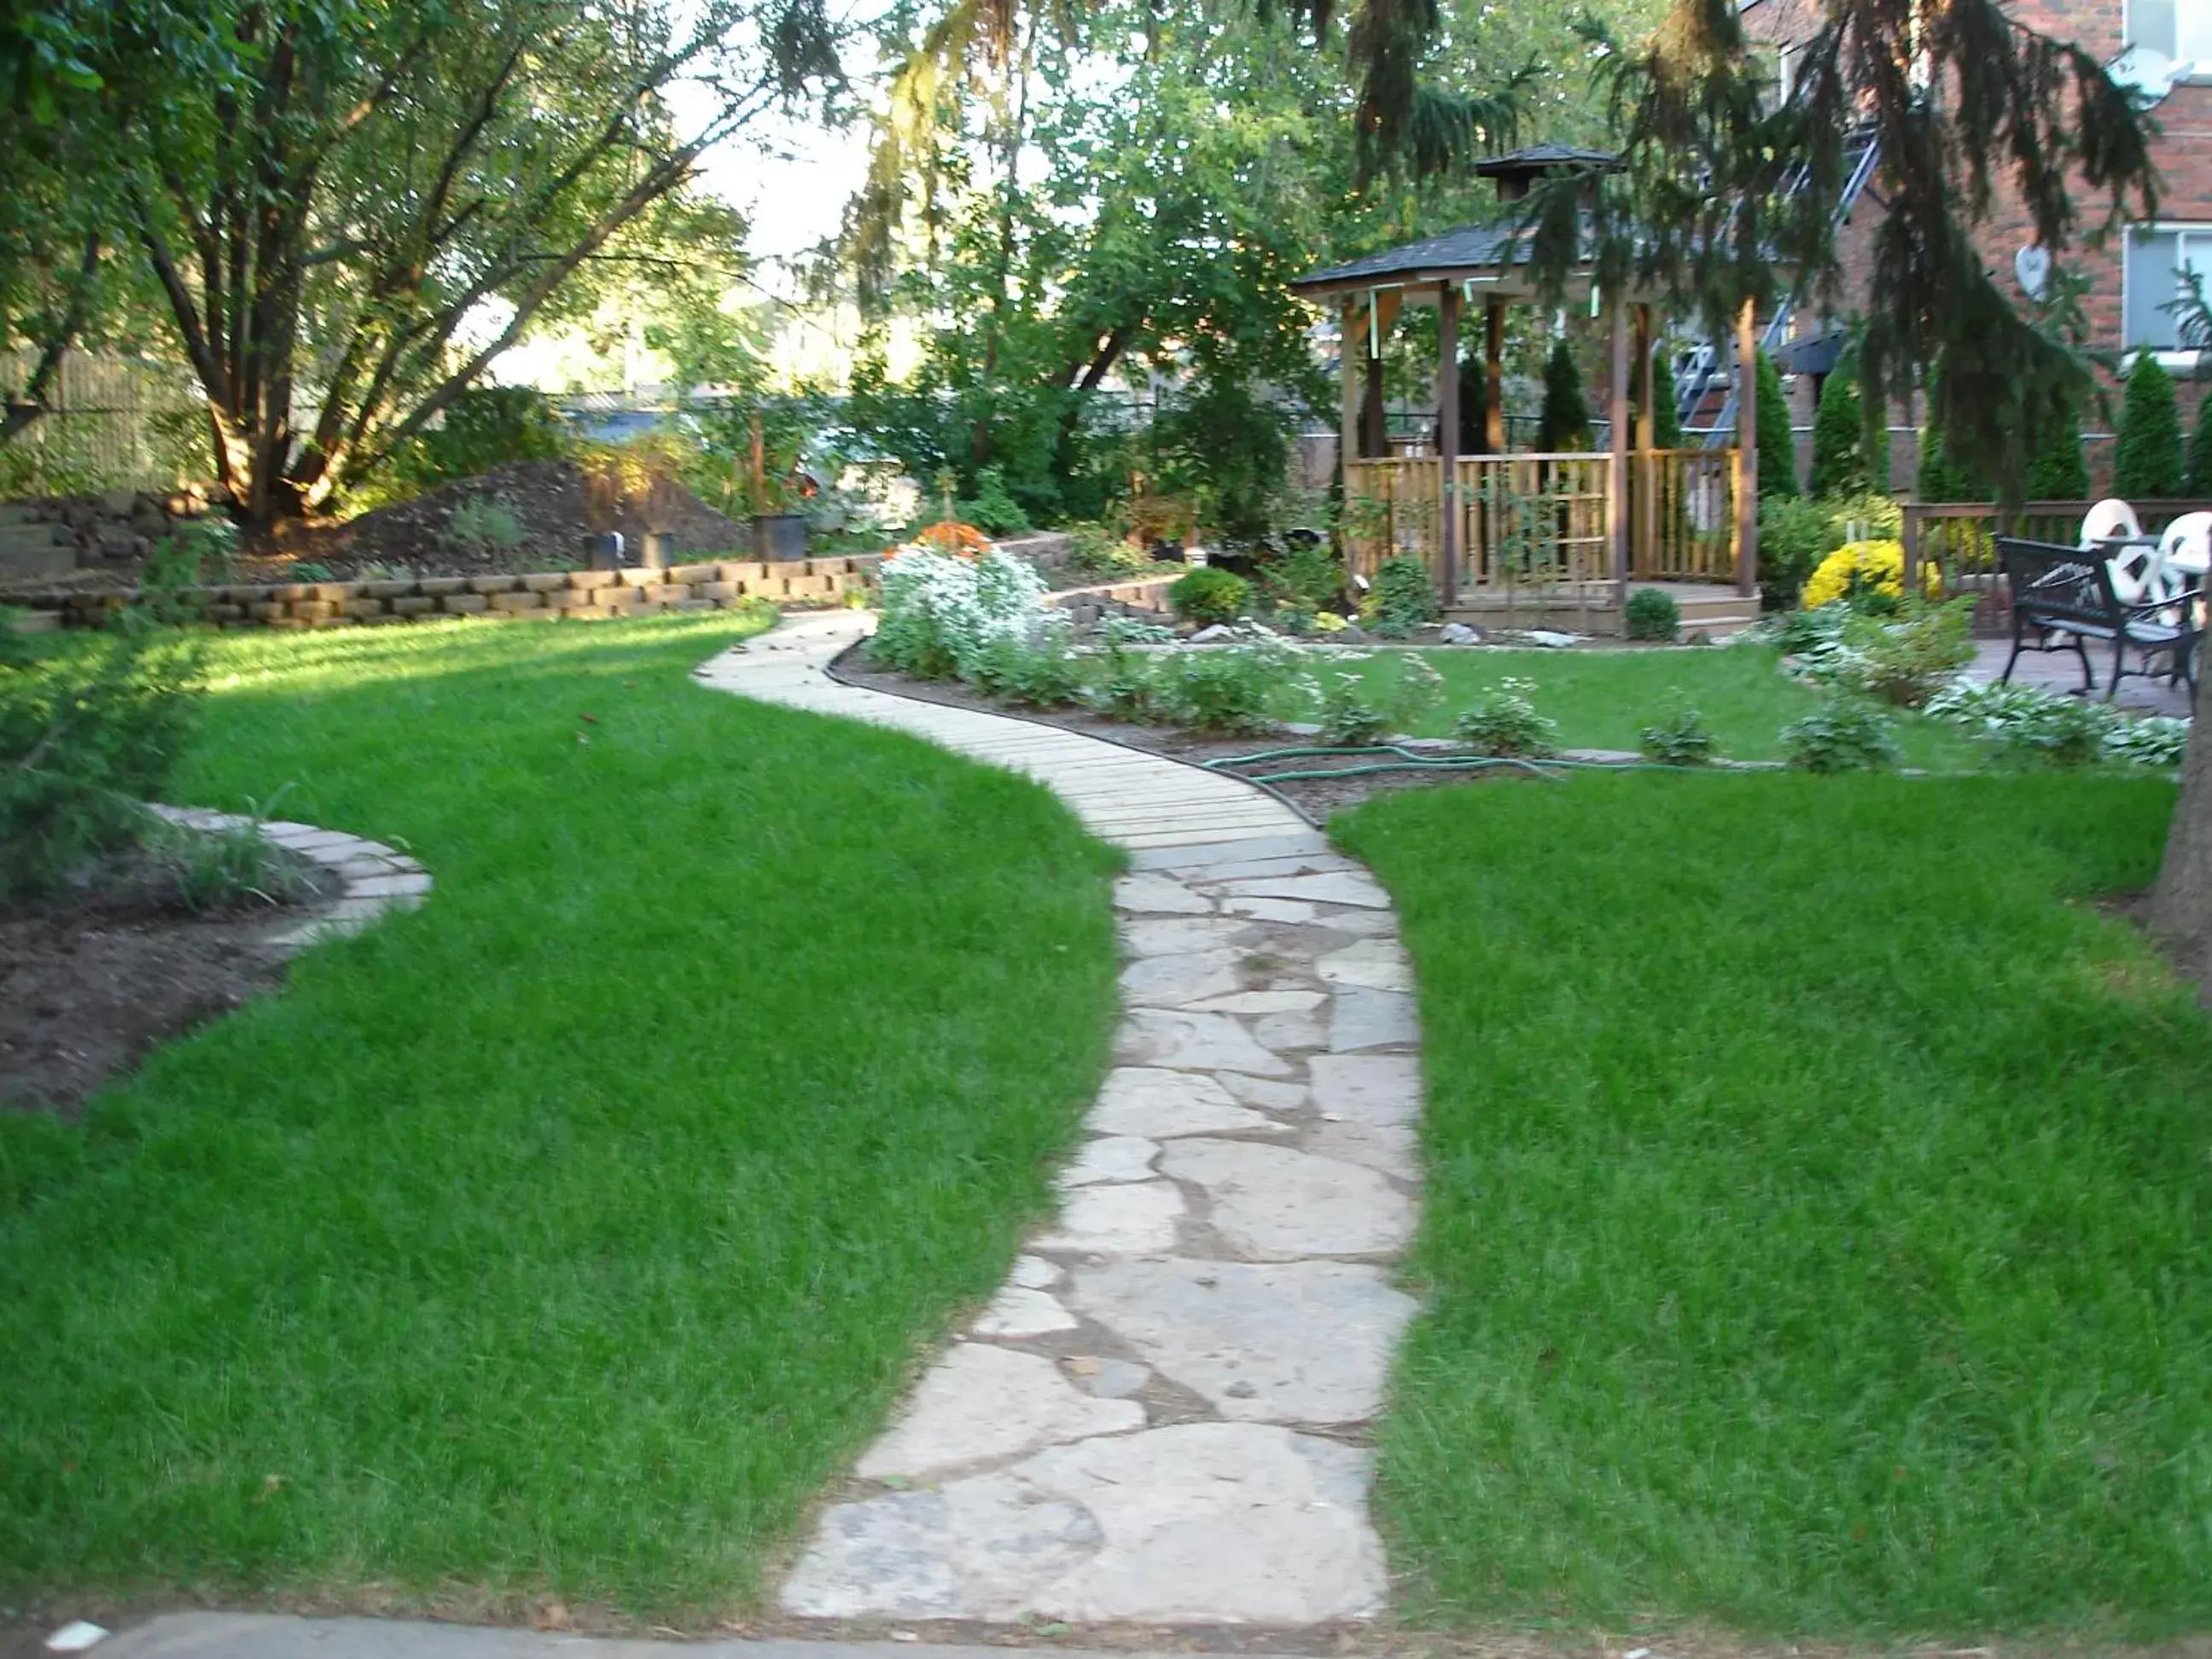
2181, 904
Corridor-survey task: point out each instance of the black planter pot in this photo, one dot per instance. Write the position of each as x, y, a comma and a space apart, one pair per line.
779, 537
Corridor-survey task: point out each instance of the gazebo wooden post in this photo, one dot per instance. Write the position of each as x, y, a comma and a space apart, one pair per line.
1448, 302
1616, 495
1747, 454
1351, 350
1493, 376
1643, 537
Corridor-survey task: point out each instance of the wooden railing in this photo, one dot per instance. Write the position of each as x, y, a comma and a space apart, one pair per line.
1682, 516
1390, 507
1958, 539
1541, 519
1535, 521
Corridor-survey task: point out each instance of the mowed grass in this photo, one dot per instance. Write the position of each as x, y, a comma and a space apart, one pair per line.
564, 1236
1604, 699
1819, 1226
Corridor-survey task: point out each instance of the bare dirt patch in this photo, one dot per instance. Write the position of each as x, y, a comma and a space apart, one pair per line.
94, 976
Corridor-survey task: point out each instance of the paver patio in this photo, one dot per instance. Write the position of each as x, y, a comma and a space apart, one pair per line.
1162, 1416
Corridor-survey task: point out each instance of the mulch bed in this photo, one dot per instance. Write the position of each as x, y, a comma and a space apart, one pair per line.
1314, 798
94, 975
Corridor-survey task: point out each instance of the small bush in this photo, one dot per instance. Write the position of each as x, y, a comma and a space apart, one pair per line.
1403, 597
1041, 671
486, 525
1357, 712
2027, 725
1095, 550
1307, 579
1866, 573
1237, 688
1207, 596
2147, 459
1679, 738
225, 869
1846, 733
992, 508
1652, 614
89, 731
1907, 661
1504, 721
939, 613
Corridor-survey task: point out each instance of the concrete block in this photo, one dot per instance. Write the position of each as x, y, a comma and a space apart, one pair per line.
438, 587
463, 605
493, 584
688, 573
416, 604
515, 604
552, 582
359, 609
639, 575
585, 581
386, 590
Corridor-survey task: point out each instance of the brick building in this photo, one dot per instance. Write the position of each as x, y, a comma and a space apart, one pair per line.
2164, 46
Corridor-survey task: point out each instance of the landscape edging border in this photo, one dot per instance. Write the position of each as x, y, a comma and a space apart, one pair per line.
373, 877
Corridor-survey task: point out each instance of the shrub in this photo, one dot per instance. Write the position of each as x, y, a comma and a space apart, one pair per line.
1237, 688
1841, 465
1777, 444
1905, 660
486, 524
1403, 597
1652, 614
1207, 596
2197, 479
1860, 573
1095, 550
2025, 724
1942, 479
225, 869
1846, 733
1040, 669
1307, 577
940, 614
950, 536
1504, 721
992, 507
89, 731
2146, 453
1678, 738
1357, 711
1564, 420
2058, 472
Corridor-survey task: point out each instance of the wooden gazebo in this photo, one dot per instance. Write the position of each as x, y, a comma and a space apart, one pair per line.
1569, 531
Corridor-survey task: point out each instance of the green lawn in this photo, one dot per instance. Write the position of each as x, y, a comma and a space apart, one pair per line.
1603, 699
1818, 1228
567, 1235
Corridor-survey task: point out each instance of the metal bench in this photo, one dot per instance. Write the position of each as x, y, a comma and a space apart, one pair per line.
2062, 598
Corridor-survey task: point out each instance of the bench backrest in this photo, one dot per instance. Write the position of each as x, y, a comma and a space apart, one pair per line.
2063, 583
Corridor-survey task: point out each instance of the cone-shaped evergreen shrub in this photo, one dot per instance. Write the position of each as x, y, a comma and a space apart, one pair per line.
2058, 472
1942, 478
1666, 403
1566, 420
1839, 466
1778, 445
2147, 459
2198, 481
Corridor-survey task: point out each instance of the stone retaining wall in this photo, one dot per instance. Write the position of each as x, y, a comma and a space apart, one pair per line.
575, 595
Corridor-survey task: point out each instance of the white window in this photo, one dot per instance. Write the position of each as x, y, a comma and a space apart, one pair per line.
2179, 29
2159, 260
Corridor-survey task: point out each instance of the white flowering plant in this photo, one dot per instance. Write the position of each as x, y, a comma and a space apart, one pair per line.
942, 616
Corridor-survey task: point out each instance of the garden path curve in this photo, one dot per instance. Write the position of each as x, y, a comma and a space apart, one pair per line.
1162, 1416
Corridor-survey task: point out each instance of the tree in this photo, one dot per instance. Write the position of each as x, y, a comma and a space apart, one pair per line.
1778, 442
2059, 471
1839, 466
374, 202
2146, 453
1564, 420
1666, 402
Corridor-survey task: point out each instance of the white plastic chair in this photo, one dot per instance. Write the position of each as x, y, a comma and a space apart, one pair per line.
2109, 518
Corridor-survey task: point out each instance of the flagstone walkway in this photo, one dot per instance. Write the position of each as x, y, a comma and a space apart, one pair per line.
1162, 1417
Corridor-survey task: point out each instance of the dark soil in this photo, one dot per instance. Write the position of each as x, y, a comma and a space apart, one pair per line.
2192, 962
547, 499
1314, 799
92, 977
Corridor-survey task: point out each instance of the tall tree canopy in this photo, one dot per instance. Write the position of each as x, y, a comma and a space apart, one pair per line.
352, 208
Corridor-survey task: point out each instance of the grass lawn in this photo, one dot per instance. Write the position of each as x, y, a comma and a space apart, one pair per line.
1603, 699
1819, 1227
565, 1235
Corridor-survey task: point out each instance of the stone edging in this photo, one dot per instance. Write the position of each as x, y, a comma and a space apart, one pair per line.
577, 595
1162, 1418
376, 877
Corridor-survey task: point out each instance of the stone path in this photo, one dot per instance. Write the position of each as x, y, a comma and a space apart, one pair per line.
1161, 1417
371, 876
